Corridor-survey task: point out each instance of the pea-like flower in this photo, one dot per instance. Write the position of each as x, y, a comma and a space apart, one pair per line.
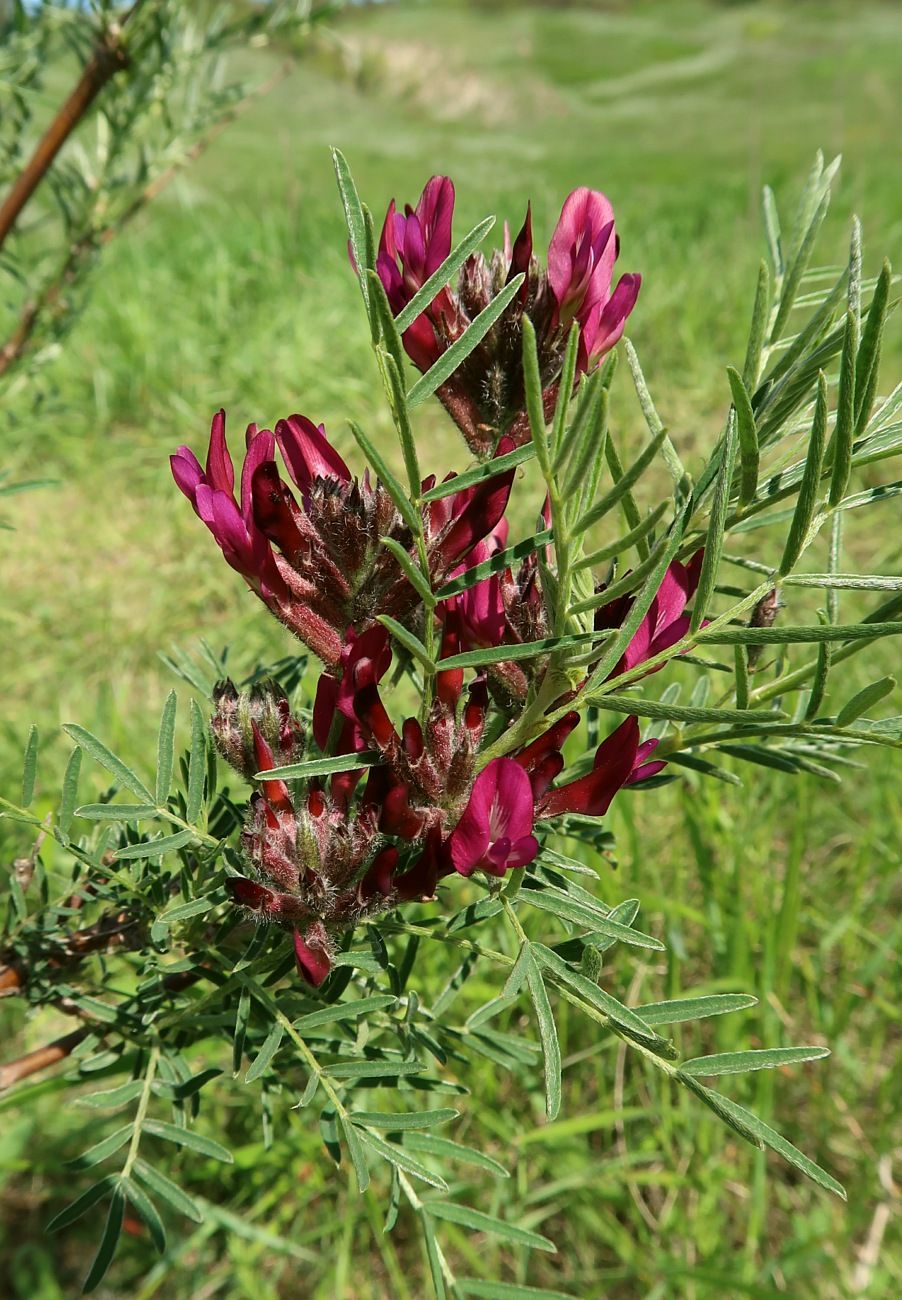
494, 833
485, 395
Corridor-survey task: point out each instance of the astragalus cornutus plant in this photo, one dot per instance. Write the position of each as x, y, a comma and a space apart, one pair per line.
433, 764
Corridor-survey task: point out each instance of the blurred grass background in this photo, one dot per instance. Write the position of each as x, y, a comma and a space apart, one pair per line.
234, 289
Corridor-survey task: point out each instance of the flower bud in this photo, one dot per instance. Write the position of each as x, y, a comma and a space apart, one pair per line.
236, 713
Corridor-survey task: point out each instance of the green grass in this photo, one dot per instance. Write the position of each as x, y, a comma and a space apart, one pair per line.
235, 290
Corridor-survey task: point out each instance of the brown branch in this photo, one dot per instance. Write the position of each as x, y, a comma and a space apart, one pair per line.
52, 294
43, 1057
108, 58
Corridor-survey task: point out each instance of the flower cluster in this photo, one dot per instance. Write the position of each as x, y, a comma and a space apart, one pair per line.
415, 794
485, 394
319, 561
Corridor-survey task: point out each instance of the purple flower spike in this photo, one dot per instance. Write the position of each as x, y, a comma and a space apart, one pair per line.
495, 832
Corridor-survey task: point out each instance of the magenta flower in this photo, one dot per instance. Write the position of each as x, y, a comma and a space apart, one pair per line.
412, 247
665, 623
211, 493
318, 561
581, 257
485, 395
612, 768
620, 760
365, 660
494, 833
312, 954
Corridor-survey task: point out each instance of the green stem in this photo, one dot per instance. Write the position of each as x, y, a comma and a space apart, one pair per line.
141, 1112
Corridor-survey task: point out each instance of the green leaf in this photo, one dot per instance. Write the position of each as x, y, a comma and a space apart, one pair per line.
147, 1211
115, 766
264, 1057
764, 1133
767, 1058
632, 538
658, 709
461, 348
187, 1137
565, 389
184, 911
376, 1069
412, 644
82, 1204
108, 1242
809, 489
169, 1191
653, 420
101, 1150
799, 635
844, 581
535, 403
112, 1097
590, 451
570, 909
867, 363
883, 492
197, 764
772, 229
353, 210
165, 748
30, 767
412, 571
715, 535
345, 1011
398, 1122
394, 374
476, 1221
844, 429
864, 700
594, 995
444, 1149
793, 279
752, 366
748, 437
242, 1019
69, 792
479, 473
640, 605
697, 764
117, 812
497, 564
551, 1048
437, 281
517, 975
389, 480
154, 848
321, 767
518, 651
620, 489
681, 1009
401, 1159
356, 1152
482, 1290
